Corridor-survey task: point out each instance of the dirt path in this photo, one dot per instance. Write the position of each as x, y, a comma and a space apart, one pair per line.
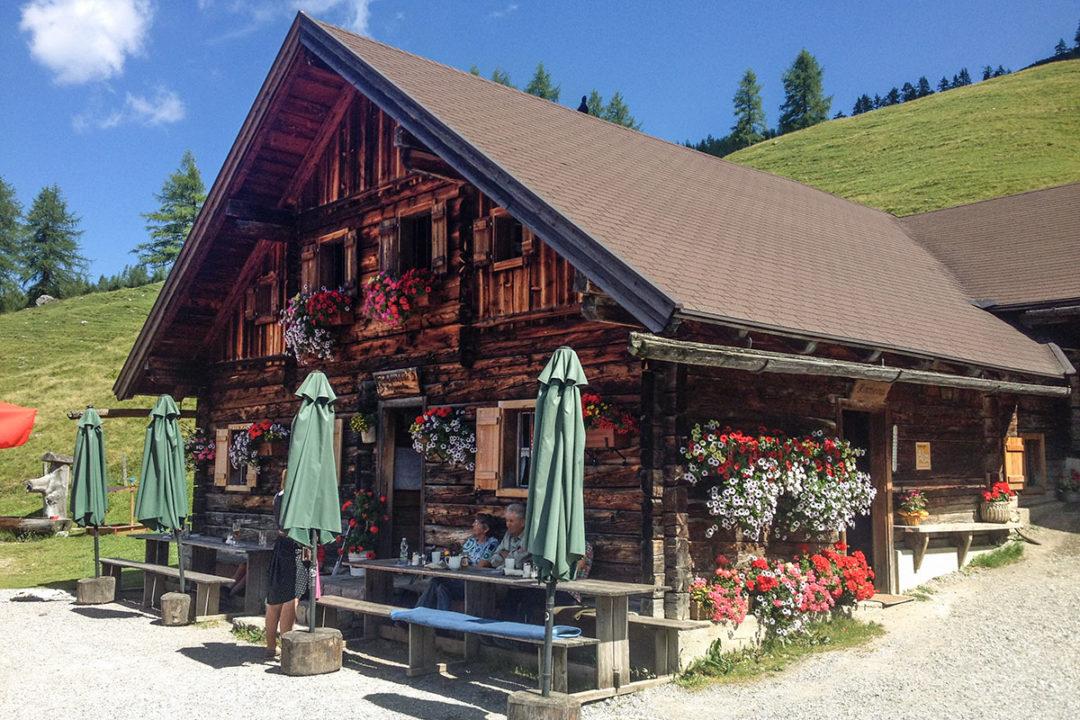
1001, 643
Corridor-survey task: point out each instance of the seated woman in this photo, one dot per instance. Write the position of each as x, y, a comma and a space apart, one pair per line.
442, 592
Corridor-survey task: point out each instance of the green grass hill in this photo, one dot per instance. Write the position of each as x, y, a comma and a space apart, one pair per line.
1002, 136
62, 357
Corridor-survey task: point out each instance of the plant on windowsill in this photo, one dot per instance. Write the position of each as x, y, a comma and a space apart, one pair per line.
365, 513
392, 298
199, 449
364, 425
996, 506
258, 440
306, 319
441, 434
606, 424
911, 506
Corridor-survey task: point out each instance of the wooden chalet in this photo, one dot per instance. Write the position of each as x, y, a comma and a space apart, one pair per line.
691, 288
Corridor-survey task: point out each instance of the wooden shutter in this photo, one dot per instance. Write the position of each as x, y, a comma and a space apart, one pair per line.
389, 246
481, 238
251, 476
221, 457
438, 239
1014, 462
350, 263
488, 448
308, 267
249, 304
528, 242
339, 427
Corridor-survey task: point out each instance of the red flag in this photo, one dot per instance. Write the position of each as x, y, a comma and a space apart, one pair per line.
15, 424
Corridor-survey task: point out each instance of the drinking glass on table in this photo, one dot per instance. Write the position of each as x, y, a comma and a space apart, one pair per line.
235, 531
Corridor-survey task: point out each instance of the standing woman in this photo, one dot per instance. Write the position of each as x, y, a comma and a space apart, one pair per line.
288, 581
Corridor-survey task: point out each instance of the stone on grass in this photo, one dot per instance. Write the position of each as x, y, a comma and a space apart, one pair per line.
531, 705
95, 590
311, 653
175, 609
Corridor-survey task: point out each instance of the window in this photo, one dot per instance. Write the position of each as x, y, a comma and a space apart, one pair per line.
231, 479
504, 447
508, 238
330, 262
1034, 461
415, 239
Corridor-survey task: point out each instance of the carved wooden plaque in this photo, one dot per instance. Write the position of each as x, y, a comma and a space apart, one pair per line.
922, 456
397, 383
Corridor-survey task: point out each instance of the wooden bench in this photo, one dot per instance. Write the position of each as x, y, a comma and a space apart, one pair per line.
422, 651
665, 639
207, 587
328, 606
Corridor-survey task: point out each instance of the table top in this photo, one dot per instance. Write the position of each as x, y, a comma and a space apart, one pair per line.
206, 541
495, 576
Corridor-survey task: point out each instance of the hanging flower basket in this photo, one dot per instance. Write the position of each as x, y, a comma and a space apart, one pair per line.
392, 299
305, 321
441, 434
273, 448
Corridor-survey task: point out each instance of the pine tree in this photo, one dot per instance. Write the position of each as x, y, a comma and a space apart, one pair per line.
1076, 37
839, 114
924, 87
988, 72
618, 112
541, 86
862, 105
474, 70
11, 216
1001, 71
893, 98
804, 104
51, 263
181, 198
965, 78
1061, 48
749, 124
944, 84
502, 77
879, 102
596, 104
908, 92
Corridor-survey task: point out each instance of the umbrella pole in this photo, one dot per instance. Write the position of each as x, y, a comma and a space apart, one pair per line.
179, 559
549, 629
313, 573
97, 554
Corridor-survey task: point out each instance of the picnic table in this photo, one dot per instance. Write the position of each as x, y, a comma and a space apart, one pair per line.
204, 555
611, 598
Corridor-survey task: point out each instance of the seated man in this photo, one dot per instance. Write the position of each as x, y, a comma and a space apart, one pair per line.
511, 545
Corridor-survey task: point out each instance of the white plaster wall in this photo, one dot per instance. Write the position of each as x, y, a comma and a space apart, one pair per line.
936, 562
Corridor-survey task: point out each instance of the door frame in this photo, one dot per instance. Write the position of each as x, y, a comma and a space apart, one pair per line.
384, 465
881, 510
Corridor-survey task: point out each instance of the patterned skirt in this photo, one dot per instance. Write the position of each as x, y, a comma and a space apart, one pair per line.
288, 573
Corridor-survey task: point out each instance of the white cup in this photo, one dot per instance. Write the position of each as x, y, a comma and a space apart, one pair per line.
416, 558
436, 556
509, 563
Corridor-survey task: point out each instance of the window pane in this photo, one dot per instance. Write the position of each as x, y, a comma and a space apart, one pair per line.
416, 242
507, 243
524, 446
331, 265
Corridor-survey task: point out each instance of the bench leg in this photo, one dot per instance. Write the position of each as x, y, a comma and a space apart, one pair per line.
207, 598
114, 571
479, 602
153, 589
558, 668
421, 650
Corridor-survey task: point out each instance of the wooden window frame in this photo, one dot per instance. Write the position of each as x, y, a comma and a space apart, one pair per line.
252, 312
390, 239
311, 267
223, 469
490, 468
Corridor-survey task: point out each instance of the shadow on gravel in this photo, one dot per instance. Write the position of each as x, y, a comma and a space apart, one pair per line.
105, 613
222, 655
1057, 516
418, 708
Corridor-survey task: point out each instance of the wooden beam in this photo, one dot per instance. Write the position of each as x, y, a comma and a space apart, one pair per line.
417, 157
243, 281
255, 230
317, 147
250, 212
601, 308
645, 345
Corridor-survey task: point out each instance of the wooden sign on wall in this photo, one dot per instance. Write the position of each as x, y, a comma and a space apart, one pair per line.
397, 383
922, 456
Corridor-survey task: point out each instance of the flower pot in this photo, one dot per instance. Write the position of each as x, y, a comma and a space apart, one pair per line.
367, 436
994, 512
912, 520
698, 611
358, 571
274, 448
454, 562
355, 557
606, 438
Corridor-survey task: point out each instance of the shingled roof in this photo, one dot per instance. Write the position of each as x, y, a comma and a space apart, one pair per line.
665, 229
1017, 250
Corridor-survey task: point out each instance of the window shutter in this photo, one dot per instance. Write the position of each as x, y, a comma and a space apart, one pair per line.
275, 293
488, 448
339, 426
438, 239
350, 263
1014, 462
389, 246
249, 304
528, 242
308, 280
251, 476
221, 457
481, 237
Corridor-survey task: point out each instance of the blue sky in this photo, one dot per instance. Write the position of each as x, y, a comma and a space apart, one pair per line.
102, 97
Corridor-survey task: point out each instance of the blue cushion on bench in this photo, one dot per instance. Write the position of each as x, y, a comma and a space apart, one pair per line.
446, 620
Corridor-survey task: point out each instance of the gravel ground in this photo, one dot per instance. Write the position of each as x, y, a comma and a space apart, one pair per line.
1003, 643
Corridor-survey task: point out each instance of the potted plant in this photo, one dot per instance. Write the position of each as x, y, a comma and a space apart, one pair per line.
442, 434
199, 449
392, 298
606, 424
996, 503
911, 506
364, 424
269, 438
306, 318
453, 555
1068, 488
364, 512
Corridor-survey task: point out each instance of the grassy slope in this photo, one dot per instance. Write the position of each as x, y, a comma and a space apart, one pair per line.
61, 357
1006, 135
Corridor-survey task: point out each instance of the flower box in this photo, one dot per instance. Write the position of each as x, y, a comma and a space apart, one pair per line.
274, 448
341, 316
606, 438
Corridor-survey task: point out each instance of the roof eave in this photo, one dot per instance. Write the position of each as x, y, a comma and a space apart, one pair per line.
647, 303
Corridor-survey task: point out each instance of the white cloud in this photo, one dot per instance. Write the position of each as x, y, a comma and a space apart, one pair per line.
85, 40
504, 12
162, 108
357, 12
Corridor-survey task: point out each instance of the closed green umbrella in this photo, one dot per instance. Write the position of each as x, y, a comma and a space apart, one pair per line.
88, 492
161, 504
555, 515
310, 508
